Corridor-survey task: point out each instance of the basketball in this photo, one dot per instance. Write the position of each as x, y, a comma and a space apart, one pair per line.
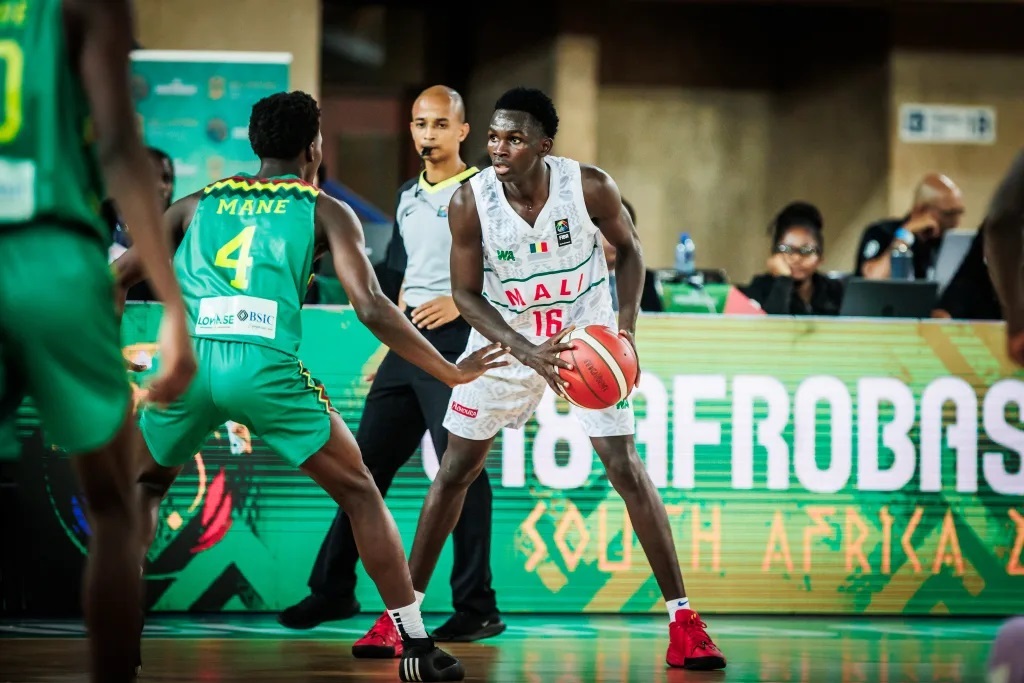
604, 367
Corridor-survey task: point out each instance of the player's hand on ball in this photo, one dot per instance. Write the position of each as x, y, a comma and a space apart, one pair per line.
628, 336
479, 362
435, 313
177, 360
545, 361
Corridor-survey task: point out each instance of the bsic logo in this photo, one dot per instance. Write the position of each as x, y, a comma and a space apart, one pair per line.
240, 315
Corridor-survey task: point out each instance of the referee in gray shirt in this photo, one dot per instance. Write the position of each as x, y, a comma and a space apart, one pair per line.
405, 401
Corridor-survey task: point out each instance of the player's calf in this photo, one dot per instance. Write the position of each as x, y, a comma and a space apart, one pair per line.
625, 472
112, 595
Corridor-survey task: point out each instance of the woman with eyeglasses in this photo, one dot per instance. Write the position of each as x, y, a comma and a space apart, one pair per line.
793, 285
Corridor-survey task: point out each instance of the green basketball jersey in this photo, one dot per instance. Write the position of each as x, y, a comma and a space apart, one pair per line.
245, 261
48, 168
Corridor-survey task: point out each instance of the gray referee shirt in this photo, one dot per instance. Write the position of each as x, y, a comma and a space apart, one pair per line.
422, 241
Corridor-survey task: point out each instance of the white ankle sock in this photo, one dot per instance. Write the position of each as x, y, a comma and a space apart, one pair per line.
409, 621
419, 598
676, 605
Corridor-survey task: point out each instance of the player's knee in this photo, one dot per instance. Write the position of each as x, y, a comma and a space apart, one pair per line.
155, 481
357, 486
106, 498
460, 469
625, 474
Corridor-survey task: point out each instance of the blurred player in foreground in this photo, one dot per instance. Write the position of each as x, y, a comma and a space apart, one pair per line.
60, 343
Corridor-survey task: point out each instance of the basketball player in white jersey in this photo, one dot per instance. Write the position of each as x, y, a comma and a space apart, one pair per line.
527, 265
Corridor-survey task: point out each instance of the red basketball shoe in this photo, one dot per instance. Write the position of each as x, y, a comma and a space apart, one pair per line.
380, 642
690, 646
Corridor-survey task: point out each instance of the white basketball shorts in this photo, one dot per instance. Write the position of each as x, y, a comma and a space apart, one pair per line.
508, 396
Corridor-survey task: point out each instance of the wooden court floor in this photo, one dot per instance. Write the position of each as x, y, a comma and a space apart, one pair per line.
541, 649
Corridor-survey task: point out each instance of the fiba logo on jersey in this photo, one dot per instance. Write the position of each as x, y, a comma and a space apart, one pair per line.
562, 231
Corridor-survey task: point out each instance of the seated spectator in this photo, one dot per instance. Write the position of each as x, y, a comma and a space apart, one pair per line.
793, 285
938, 206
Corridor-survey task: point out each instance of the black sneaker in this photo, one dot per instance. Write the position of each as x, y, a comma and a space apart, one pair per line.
423, 661
314, 610
465, 627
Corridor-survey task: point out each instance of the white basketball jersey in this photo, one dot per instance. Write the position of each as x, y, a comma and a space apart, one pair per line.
546, 277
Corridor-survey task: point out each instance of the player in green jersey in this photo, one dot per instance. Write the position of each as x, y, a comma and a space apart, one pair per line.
67, 123
244, 262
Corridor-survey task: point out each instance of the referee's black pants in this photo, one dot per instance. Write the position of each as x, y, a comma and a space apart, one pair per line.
402, 404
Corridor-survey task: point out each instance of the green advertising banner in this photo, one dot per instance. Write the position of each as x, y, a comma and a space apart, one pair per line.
195, 106
807, 466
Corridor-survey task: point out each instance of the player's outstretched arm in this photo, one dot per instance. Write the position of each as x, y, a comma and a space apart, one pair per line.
102, 33
604, 204
467, 269
1004, 253
345, 240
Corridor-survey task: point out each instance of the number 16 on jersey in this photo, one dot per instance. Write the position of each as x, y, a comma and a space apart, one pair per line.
547, 323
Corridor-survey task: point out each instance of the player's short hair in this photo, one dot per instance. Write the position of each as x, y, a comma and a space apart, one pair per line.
283, 124
533, 102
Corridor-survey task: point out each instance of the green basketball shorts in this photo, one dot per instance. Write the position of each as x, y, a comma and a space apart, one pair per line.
266, 390
59, 334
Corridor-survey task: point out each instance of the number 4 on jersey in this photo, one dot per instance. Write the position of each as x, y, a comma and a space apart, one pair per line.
241, 243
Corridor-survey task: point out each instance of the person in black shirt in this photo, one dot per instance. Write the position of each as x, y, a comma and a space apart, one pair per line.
938, 207
793, 285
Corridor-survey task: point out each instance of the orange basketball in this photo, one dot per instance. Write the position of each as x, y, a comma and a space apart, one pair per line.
604, 367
